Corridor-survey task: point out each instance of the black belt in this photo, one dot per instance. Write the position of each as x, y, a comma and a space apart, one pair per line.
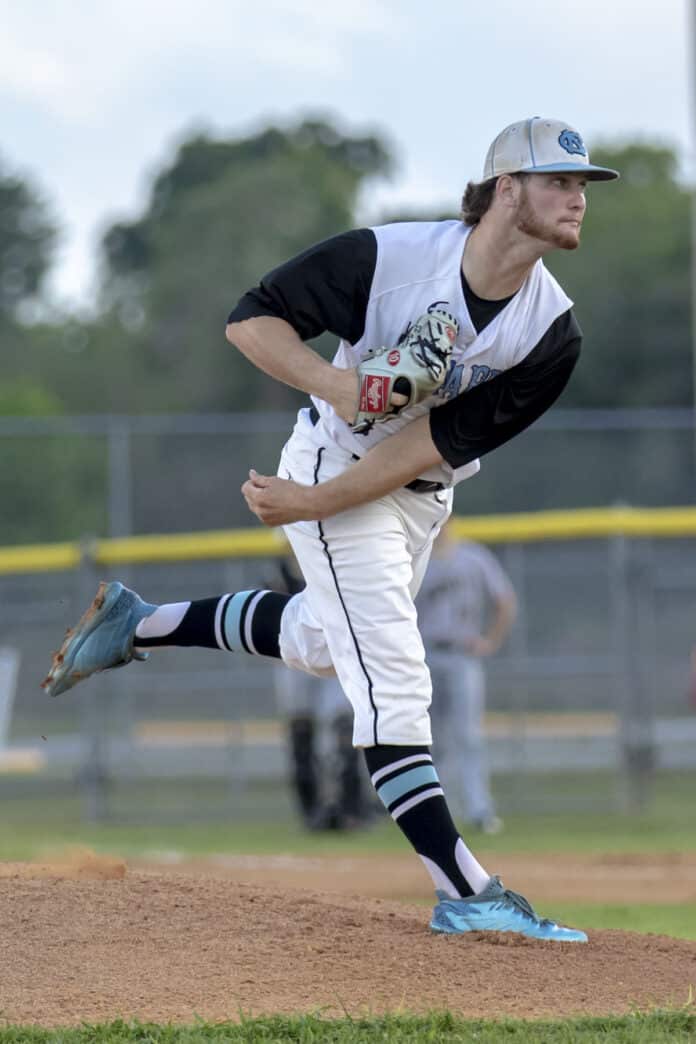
443, 647
424, 486
417, 486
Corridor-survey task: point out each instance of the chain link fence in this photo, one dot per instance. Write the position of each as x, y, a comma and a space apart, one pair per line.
586, 702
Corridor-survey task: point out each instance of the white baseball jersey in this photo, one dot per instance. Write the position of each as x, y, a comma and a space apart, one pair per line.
419, 267
368, 286
363, 567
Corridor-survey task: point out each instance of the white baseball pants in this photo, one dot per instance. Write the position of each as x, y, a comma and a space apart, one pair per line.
356, 615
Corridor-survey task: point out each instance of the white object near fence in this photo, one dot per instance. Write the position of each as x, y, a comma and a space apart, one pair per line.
9, 670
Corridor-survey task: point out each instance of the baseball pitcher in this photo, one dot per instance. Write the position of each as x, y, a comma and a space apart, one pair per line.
453, 338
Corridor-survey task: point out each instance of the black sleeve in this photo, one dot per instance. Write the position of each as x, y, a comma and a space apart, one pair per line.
325, 288
477, 421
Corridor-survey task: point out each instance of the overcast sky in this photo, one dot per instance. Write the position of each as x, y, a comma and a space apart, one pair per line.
95, 96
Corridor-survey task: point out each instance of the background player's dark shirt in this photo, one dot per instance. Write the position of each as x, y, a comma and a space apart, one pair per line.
327, 288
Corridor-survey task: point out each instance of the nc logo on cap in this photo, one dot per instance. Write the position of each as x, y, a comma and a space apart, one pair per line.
572, 143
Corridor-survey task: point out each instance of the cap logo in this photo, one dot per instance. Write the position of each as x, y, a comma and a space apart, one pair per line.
572, 143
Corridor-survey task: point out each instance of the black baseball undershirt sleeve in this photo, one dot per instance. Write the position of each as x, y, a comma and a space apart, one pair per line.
478, 421
325, 288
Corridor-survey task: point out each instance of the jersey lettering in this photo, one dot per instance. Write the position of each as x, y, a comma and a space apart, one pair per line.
479, 374
452, 383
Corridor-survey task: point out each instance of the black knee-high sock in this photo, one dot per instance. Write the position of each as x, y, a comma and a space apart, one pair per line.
407, 784
247, 621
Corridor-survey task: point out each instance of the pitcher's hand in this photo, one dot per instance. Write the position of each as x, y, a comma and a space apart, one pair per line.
276, 501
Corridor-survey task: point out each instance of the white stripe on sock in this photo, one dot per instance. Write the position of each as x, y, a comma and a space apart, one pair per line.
164, 620
470, 867
440, 879
218, 621
416, 800
381, 773
248, 620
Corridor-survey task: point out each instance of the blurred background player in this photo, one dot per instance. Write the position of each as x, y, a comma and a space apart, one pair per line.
466, 608
692, 680
326, 771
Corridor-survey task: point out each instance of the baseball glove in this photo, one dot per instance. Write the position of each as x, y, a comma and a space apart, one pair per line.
391, 379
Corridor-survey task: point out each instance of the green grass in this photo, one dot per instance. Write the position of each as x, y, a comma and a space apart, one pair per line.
37, 821
675, 919
33, 826
172, 817
654, 1028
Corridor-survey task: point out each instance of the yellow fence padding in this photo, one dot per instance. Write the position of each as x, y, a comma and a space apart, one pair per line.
584, 524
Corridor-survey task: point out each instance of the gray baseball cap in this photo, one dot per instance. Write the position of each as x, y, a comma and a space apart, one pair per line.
541, 146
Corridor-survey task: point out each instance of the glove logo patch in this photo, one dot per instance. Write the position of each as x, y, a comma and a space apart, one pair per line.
394, 357
373, 393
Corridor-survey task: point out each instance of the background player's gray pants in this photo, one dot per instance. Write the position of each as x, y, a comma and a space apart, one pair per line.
459, 743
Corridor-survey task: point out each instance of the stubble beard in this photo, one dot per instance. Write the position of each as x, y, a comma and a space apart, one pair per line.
558, 236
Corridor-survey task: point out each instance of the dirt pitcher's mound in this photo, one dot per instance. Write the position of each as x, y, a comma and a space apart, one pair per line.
173, 947
561, 877
71, 864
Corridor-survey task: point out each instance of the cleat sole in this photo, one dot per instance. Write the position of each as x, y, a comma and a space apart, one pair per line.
107, 595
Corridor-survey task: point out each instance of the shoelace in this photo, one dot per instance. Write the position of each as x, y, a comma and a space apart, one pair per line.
524, 905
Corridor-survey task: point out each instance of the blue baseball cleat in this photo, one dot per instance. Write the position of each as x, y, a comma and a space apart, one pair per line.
102, 639
497, 909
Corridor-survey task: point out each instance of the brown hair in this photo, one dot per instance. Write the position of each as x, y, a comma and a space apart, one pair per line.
477, 198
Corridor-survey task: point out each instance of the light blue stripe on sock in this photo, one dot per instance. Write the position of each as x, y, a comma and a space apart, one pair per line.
406, 782
231, 621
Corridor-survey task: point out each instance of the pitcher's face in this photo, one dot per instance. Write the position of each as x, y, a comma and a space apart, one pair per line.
551, 207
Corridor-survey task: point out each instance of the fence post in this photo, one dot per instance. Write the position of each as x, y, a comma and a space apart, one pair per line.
633, 702
643, 749
93, 775
120, 507
514, 558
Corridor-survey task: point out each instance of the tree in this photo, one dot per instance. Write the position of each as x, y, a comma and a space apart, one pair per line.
52, 487
27, 236
219, 217
630, 281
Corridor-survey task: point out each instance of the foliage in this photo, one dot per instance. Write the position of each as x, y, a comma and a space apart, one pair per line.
47, 483
27, 236
437, 1028
222, 213
201, 162
49, 489
219, 217
631, 284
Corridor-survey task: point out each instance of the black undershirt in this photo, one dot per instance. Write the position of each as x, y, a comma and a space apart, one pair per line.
482, 311
327, 288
